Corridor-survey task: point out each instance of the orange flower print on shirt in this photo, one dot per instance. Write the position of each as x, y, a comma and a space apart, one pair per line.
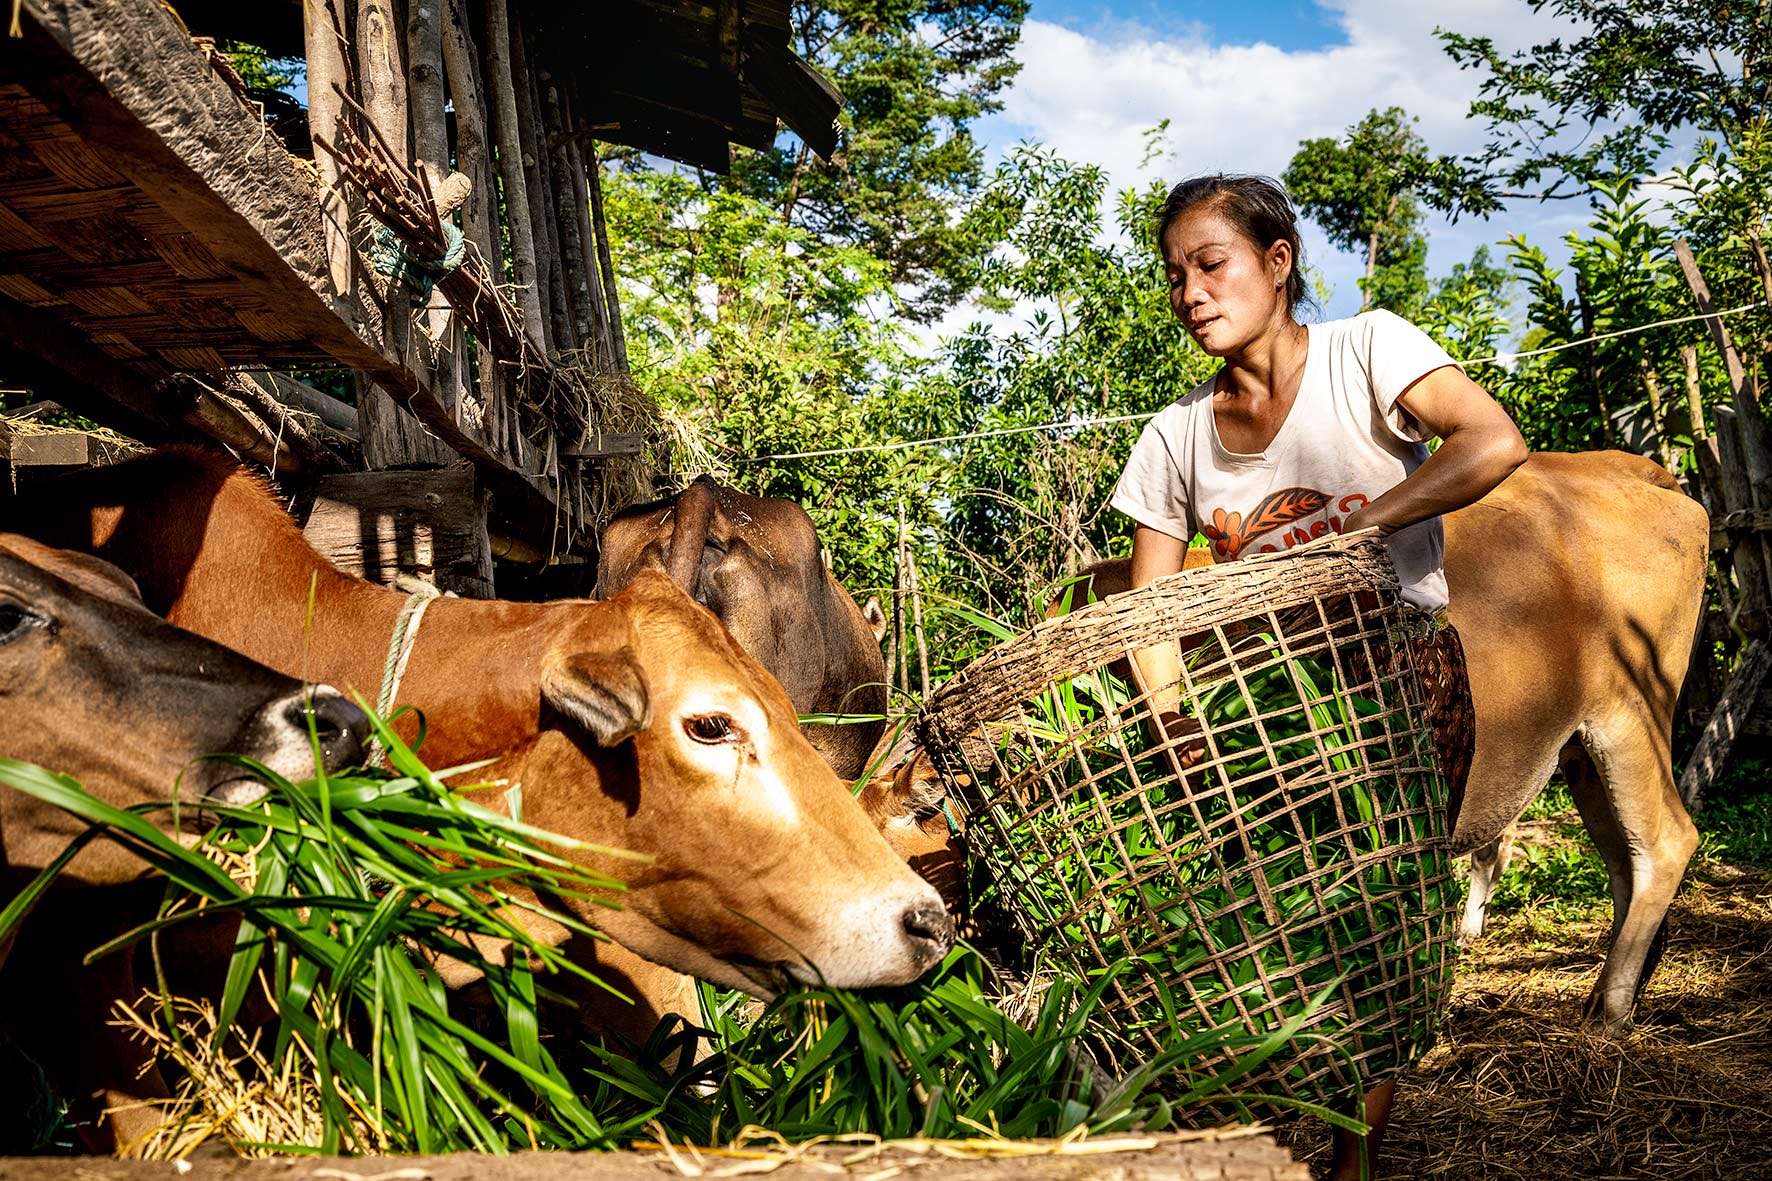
1230, 534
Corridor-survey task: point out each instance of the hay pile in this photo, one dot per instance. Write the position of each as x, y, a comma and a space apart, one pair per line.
1517, 1088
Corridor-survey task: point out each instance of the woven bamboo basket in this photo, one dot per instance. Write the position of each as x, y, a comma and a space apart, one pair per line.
1289, 840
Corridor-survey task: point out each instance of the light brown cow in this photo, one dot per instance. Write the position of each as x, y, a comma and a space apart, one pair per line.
1575, 588
764, 868
94, 686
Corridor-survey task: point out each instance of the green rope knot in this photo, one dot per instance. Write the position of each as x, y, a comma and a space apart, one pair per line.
389, 255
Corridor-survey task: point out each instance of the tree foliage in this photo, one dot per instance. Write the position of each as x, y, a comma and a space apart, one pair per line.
916, 74
1361, 190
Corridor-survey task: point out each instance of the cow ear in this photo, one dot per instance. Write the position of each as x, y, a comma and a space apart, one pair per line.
605, 692
876, 617
94, 575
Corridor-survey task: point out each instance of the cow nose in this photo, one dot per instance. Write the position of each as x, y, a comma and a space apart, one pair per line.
929, 930
342, 728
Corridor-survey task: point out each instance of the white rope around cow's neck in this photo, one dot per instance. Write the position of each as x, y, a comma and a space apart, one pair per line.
406, 624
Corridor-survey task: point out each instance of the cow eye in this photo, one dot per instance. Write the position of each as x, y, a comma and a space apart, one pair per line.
15, 621
711, 729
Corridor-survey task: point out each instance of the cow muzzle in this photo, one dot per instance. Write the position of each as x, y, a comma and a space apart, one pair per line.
883, 942
282, 737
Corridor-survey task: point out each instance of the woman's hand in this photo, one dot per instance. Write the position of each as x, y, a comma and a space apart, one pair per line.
1479, 448
1157, 668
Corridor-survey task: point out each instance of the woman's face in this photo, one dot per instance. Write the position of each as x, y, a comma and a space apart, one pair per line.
1225, 291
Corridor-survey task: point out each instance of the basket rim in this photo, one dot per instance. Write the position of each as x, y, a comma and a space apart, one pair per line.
1262, 583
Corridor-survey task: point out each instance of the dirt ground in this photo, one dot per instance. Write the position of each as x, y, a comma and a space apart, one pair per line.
1517, 1089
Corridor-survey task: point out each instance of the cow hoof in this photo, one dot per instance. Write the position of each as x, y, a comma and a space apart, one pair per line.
1596, 1017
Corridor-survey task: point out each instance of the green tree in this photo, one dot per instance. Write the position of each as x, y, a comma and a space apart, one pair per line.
916, 75
1601, 104
1362, 191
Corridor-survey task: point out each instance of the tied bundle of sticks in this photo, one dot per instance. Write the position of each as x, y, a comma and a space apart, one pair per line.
402, 199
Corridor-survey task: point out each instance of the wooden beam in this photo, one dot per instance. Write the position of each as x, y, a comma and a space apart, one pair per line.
1727, 724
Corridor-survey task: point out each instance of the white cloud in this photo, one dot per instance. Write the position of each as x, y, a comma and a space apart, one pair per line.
1244, 108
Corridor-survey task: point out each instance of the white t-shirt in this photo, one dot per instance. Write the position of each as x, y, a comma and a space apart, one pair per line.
1344, 443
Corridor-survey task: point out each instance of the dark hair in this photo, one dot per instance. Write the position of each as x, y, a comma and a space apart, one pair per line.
1256, 205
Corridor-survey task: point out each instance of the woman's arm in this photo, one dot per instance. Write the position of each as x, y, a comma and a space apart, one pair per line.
1479, 448
1155, 554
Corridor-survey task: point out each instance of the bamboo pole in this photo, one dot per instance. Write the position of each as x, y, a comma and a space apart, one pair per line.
430, 145
587, 239
916, 592
1704, 448
479, 214
900, 669
538, 175
325, 45
578, 292
508, 140
600, 229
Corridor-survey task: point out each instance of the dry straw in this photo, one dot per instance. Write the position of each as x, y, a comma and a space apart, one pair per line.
1294, 842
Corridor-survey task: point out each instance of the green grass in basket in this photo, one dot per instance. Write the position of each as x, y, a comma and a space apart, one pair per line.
1123, 870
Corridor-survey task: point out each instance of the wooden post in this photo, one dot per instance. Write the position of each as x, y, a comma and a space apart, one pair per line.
391, 438
1726, 725
511, 171
325, 45
589, 267
1741, 383
430, 145
1742, 457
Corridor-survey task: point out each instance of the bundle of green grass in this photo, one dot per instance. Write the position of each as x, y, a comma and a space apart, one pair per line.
1285, 840
350, 888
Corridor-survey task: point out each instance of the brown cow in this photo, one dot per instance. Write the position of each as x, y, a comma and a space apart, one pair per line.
1575, 589
756, 562
765, 870
94, 686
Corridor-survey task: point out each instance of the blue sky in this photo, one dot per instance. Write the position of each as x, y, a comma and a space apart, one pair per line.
1243, 82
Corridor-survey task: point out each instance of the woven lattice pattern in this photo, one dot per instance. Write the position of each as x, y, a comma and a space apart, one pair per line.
1287, 835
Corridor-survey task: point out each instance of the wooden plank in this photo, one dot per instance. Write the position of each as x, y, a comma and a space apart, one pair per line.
61, 449
1727, 724
1224, 1154
429, 523
600, 446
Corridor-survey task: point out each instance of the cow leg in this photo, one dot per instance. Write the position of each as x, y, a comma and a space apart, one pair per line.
1356, 1157
1647, 839
1487, 866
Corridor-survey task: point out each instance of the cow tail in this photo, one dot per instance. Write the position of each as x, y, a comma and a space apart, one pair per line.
689, 533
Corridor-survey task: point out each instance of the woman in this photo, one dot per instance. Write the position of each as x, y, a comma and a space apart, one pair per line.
1305, 430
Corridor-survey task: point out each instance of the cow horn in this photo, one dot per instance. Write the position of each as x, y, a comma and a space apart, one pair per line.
689, 533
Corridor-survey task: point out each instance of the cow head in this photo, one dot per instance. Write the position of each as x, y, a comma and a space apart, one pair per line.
907, 803
757, 564
661, 737
95, 686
